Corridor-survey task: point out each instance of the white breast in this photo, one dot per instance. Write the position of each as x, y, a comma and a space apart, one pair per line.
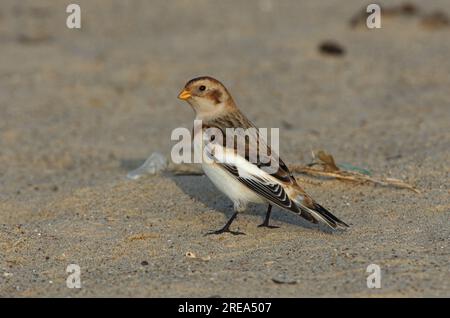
231, 187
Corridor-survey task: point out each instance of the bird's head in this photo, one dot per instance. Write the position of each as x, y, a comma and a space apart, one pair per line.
207, 96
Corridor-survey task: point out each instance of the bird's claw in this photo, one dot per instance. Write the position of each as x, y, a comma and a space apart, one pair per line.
221, 231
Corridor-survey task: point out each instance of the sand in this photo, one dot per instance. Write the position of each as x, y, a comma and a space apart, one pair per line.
81, 108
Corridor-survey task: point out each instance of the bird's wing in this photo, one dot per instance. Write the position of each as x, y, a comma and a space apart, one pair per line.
251, 176
262, 156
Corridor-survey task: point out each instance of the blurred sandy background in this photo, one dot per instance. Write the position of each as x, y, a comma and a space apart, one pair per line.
80, 108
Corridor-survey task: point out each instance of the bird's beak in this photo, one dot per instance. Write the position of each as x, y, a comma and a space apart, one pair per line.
184, 95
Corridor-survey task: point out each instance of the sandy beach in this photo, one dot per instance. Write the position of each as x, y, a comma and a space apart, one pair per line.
80, 108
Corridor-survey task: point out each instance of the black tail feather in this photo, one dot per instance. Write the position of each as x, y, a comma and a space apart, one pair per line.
319, 212
329, 216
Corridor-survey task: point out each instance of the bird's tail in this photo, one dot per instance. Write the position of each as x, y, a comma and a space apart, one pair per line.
314, 212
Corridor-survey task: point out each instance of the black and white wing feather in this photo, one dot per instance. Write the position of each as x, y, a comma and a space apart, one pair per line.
253, 177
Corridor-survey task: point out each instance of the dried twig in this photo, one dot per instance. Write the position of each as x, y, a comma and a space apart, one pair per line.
184, 169
352, 177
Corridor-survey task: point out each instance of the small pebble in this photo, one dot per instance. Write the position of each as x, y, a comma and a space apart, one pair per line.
282, 279
331, 48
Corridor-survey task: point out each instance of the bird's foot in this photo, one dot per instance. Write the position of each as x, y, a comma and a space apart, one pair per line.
224, 230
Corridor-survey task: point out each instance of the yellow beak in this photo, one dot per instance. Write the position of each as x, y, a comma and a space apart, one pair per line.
184, 95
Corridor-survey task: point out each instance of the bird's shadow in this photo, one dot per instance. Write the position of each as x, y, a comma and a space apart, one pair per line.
201, 189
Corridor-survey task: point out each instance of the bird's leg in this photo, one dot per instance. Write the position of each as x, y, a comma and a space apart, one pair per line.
266, 220
226, 227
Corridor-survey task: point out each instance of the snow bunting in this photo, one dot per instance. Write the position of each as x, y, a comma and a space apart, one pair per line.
241, 179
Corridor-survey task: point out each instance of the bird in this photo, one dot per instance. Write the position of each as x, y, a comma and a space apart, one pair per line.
243, 180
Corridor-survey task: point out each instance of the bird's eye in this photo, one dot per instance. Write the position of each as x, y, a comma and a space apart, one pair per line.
202, 88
